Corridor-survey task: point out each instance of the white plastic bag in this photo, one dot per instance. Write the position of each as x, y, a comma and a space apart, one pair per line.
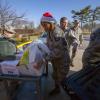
35, 55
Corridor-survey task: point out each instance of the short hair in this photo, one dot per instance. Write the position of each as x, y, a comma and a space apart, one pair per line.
63, 18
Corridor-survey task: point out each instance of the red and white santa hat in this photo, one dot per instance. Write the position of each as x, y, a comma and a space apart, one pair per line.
47, 17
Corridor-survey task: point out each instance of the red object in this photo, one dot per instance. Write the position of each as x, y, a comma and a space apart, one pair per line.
47, 14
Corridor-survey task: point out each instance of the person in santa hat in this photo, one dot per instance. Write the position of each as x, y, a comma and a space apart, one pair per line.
59, 55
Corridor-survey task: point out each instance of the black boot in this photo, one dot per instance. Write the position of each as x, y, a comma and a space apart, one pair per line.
55, 91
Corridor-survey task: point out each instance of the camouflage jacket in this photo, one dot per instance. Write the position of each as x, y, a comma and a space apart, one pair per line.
70, 38
91, 56
78, 34
57, 43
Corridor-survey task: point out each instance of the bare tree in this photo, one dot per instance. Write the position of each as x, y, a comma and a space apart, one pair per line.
39, 29
22, 23
7, 15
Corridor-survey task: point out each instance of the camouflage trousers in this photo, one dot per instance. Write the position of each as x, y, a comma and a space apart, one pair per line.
60, 68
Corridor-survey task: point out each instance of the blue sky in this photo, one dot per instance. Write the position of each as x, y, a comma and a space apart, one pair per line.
35, 8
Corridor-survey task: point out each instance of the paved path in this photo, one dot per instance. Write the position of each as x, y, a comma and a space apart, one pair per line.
78, 58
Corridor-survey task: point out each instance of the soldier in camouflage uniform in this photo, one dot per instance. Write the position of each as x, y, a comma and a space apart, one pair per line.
59, 56
91, 56
78, 32
70, 38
